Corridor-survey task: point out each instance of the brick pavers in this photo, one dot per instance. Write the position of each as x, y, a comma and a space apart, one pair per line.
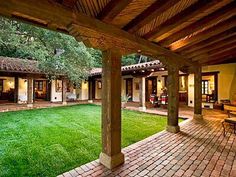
200, 149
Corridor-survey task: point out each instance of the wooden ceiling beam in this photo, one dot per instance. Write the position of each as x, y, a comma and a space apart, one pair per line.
153, 11
212, 47
112, 9
186, 15
215, 52
226, 35
214, 18
227, 59
218, 56
86, 27
217, 29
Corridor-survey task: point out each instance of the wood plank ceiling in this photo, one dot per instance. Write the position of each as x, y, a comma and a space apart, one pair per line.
202, 31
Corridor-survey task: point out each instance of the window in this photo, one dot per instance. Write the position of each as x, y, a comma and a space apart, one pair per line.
205, 87
1, 85
39, 85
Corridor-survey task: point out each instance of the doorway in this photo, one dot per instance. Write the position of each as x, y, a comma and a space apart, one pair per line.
151, 87
7, 90
42, 90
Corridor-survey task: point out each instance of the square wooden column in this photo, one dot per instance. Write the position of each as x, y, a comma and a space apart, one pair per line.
173, 99
64, 90
91, 90
111, 155
16, 89
142, 99
30, 92
198, 93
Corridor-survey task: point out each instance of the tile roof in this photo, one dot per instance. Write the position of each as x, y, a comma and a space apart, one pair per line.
140, 66
17, 65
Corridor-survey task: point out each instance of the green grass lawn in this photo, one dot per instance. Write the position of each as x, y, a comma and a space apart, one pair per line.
48, 142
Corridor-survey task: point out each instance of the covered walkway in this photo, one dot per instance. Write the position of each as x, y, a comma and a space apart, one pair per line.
200, 149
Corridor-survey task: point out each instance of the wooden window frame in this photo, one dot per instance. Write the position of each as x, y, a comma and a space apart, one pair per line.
204, 87
39, 85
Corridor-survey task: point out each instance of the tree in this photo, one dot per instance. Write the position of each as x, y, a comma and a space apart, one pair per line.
26, 41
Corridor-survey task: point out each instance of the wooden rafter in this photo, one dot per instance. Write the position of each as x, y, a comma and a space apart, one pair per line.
89, 28
227, 59
219, 15
226, 35
112, 9
215, 46
217, 29
216, 52
156, 9
226, 55
186, 15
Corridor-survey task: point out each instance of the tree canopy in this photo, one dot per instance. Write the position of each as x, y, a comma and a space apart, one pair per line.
55, 52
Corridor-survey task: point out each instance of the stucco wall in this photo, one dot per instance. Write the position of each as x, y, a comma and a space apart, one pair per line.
8, 83
135, 91
226, 80
22, 91
191, 90
98, 92
56, 96
82, 92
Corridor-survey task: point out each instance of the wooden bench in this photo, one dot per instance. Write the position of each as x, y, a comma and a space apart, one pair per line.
231, 110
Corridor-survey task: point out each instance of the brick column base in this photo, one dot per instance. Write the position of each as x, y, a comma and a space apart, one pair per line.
111, 161
172, 129
198, 116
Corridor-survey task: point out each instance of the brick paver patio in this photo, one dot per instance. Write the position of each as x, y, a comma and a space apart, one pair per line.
200, 149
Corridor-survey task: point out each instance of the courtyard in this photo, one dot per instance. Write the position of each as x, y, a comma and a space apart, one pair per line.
50, 141
160, 60
200, 149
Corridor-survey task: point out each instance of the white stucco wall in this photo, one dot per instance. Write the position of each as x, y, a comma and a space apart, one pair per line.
82, 92
55, 96
22, 90
191, 90
135, 91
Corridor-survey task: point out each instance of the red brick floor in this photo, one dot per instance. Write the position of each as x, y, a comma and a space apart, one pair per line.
200, 149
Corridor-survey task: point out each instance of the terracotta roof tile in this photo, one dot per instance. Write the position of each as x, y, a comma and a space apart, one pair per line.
18, 65
146, 65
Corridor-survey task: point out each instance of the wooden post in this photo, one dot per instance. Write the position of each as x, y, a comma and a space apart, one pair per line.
111, 155
91, 90
142, 99
173, 99
64, 90
16, 88
198, 93
30, 92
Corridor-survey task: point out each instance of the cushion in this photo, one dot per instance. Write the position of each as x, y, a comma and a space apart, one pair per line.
231, 120
233, 112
